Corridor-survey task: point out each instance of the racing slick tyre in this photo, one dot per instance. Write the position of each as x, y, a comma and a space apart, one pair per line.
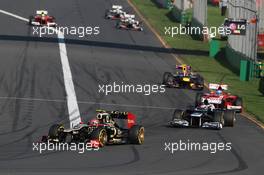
239, 102
68, 138
198, 99
200, 83
229, 117
107, 12
31, 18
56, 132
178, 114
167, 77
100, 135
83, 133
136, 134
218, 116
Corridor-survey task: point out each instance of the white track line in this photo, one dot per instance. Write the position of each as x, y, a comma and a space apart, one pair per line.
13, 15
73, 109
86, 102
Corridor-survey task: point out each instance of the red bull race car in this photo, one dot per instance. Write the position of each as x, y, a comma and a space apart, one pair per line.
42, 19
220, 99
109, 127
183, 78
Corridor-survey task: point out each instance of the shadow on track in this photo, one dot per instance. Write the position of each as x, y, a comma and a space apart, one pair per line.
106, 44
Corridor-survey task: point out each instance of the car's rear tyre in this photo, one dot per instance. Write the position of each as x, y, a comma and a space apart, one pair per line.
136, 134
229, 117
83, 134
68, 138
100, 135
166, 77
55, 132
107, 16
31, 18
239, 102
198, 99
218, 116
106, 13
200, 83
53, 18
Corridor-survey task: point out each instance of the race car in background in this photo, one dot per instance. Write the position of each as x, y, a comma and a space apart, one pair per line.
204, 116
109, 127
128, 17
220, 99
115, 13
129, 24
42, 19
183, 78
215, 2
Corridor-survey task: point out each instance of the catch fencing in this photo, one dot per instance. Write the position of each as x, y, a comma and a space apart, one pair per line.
182, 4
200, 12
260, 9
244, 44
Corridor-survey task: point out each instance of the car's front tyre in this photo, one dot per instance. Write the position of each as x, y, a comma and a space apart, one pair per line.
136, 135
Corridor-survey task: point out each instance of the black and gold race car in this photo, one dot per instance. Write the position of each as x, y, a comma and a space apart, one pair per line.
183, 78
109, 127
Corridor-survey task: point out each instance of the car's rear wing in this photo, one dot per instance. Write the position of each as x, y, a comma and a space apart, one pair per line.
128, 117
213, 86
129, 16
186, 67
39, 12
117, 7
115, 114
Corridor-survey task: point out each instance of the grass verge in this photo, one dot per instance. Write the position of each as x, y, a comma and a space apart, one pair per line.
213, 70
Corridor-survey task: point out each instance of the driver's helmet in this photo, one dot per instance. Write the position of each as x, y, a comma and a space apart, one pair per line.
130, 20
104, 117
122, 14
118, 11
206, 102
219, 92
43, 14
94, 122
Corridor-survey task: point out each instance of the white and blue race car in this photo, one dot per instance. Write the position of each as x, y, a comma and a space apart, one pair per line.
204, 116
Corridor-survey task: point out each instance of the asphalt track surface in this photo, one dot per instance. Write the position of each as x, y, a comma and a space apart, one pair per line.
30, 70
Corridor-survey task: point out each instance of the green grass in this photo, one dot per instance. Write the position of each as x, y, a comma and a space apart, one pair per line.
213, 70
